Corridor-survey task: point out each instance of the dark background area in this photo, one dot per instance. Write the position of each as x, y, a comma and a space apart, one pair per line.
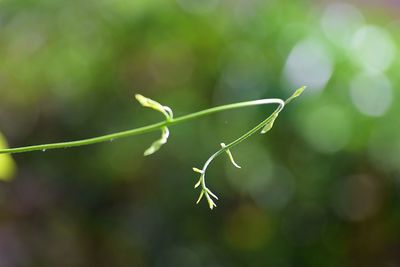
320, 189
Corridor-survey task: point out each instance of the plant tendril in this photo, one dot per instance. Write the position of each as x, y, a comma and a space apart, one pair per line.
264, 126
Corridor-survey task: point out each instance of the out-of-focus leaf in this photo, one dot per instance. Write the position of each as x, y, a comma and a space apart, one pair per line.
7, 164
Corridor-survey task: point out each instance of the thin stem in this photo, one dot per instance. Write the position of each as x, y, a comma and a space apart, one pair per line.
281, 104
265, 125
150, 128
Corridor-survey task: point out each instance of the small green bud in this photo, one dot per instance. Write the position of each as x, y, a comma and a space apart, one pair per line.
270, 124
297, 93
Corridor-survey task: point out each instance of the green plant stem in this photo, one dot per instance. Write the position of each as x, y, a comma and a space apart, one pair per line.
156, 126
246, 135
265, 125
257, 128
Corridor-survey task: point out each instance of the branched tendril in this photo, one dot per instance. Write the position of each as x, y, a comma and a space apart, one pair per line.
264, 126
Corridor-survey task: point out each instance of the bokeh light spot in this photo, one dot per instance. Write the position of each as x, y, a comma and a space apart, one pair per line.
340, 21
373, 48
309, 63
371, 94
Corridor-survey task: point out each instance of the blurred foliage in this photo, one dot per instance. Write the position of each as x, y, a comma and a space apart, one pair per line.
320, 189
7, 165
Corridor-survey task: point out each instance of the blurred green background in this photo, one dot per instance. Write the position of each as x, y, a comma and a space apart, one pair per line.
320, 189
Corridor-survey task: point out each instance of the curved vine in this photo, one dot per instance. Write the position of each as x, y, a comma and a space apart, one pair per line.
264, 126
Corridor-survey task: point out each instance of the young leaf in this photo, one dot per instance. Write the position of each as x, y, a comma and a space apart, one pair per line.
230, 156
156, 145
150, 103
